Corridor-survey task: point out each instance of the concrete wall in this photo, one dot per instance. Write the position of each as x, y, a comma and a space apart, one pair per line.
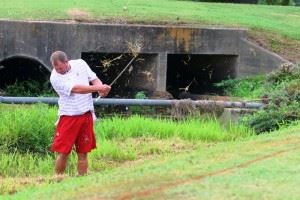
39, 39
256, 60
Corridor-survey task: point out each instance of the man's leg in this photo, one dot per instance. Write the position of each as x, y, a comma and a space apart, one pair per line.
82, 164
61, 163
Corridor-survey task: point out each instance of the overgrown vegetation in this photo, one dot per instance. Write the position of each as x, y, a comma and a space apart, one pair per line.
30, 129
29, 88
26, 135
280, 90
249, 87
282, 94
26, 128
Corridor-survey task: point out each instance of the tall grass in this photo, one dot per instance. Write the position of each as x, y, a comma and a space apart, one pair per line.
16, 164
27, 128
31, 128
204, 129
26, 133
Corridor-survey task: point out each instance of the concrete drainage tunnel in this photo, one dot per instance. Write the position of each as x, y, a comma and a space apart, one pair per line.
23, 71
172, 60
199, 72
138, 77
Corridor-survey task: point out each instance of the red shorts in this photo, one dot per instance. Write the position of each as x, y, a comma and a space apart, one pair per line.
76, 130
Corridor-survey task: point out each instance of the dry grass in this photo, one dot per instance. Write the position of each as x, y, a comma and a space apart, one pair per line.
77, 14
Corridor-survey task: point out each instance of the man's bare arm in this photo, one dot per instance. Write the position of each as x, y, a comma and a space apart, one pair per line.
85, 89
97, 81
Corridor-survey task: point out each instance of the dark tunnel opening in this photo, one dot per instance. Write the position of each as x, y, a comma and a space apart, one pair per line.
138, 77
197, 74
24, 76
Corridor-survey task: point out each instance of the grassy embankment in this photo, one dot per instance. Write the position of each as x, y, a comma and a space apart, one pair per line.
274, 27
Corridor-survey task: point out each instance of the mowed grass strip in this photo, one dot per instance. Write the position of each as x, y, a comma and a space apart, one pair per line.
246, 169
282, 20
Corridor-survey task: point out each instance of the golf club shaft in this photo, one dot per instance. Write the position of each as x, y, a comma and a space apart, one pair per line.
119, 74
122, 71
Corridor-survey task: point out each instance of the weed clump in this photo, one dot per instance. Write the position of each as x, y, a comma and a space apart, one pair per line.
282, 96
279, 90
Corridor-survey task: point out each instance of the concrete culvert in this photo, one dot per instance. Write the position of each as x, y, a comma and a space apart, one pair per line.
23, 76
198, 73
140, 76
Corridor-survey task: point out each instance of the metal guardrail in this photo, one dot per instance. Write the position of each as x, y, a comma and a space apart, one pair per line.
135, 102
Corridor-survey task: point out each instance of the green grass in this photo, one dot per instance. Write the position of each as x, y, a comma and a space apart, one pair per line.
282, 20
137, 153
26, 135
191, 129
261, 167
17, 167
26, 128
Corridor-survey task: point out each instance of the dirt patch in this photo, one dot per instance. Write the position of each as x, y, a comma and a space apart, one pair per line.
79, 15
283, 46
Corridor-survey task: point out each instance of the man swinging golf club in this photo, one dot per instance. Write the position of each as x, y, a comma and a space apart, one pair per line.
71, 80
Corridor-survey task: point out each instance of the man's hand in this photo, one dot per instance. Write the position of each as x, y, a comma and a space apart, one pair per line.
104, 90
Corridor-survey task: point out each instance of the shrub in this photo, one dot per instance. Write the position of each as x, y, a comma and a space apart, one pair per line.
279, 89
282, 91
249, 87
29, 88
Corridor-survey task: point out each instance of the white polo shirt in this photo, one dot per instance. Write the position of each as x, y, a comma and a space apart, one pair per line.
73, 103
